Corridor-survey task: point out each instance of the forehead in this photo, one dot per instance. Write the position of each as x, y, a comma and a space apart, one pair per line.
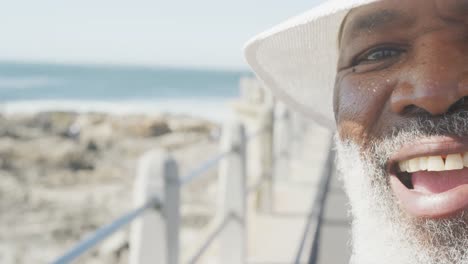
400, 14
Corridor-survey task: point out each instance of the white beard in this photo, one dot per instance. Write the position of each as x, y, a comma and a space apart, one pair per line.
381, 232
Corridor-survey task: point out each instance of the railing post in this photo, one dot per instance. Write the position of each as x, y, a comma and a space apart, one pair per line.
265, 195
154, 237
283, 138
172, 213
233, 182
298, 130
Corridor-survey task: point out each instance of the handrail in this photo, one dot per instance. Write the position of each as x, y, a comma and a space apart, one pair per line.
316, 212
219, 224
313, 256
258, 184
254, 187
106, 231
205, 166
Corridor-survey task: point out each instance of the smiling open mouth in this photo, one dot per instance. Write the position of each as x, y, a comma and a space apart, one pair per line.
430, 179
434, 174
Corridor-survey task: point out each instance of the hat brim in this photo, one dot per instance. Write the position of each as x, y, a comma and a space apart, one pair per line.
298, 59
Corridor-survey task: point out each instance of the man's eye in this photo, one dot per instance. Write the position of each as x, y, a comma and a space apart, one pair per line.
377, 55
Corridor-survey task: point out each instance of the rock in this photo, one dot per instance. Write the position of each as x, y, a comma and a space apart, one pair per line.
179, 140
22, 133
57, 123
92, 118
19, 127
77, 163
11, 191
55, 189
69, 155
7, 147
154, 127
48, 153
142, 126
99, 136
187, 124
3, 125
92, 146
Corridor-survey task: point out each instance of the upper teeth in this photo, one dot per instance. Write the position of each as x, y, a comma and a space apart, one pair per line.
435, 163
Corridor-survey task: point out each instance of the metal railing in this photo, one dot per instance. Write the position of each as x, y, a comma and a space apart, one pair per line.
311, 234
156, 217
106, 231
235, 143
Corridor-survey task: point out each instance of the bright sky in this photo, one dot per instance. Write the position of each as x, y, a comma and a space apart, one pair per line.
201, 33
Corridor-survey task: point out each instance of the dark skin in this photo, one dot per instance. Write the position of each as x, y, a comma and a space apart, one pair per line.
400, 59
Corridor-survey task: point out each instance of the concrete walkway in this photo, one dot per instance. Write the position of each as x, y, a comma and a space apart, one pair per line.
276, 237
335, 233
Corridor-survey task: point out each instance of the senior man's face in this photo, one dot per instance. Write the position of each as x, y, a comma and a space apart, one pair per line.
402, 113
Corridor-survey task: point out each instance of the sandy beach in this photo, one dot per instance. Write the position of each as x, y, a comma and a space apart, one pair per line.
64, 174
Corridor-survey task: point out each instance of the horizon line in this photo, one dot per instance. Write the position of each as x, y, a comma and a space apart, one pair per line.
245, 70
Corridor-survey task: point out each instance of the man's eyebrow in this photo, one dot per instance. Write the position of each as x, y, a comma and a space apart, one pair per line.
379, 19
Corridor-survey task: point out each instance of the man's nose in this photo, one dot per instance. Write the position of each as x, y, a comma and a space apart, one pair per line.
436, 79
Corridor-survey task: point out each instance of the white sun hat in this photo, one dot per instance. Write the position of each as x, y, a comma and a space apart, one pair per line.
298, 59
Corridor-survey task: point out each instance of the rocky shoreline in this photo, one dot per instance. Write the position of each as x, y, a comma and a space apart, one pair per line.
63, 174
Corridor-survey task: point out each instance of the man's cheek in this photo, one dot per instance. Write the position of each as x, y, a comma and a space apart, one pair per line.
350, 130
361, 104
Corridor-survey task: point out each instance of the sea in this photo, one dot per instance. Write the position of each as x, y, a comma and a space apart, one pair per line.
34, 87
